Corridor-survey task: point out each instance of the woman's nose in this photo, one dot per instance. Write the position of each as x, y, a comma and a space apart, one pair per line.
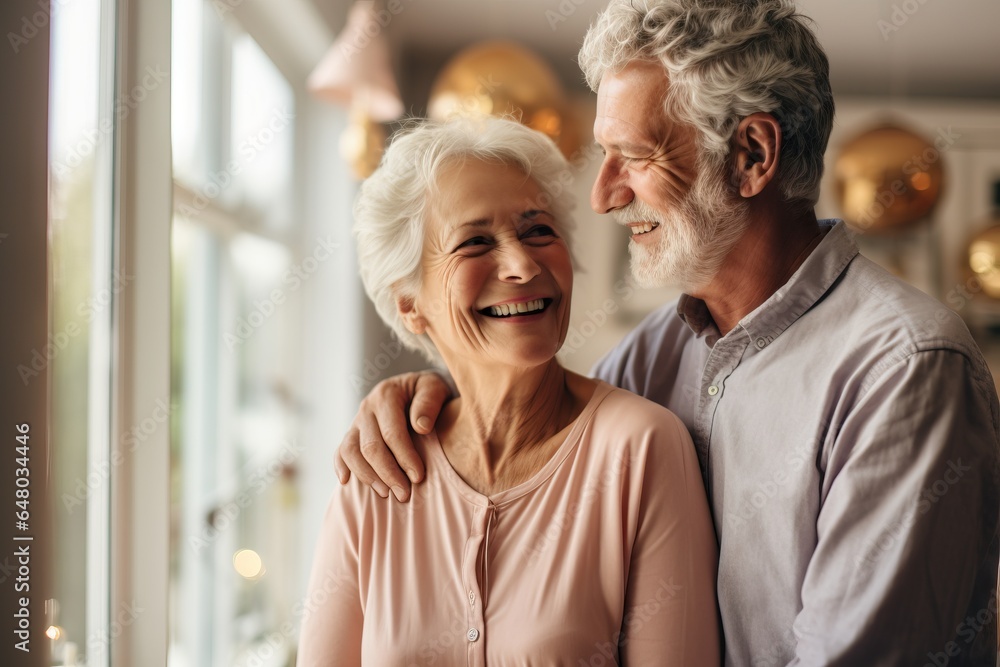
517, 264
611, 188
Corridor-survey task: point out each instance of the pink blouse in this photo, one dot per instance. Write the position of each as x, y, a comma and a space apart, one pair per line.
605, 556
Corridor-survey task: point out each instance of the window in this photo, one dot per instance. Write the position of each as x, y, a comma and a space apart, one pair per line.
211, 324
83, 288
235, 317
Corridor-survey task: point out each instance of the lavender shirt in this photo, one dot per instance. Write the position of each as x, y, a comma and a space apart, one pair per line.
847, 431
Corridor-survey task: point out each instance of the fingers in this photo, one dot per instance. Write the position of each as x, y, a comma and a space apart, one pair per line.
353, 458
429, 396
339, 465
378, 448
386, 445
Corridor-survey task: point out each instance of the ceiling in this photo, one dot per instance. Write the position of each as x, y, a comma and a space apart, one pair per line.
945, 48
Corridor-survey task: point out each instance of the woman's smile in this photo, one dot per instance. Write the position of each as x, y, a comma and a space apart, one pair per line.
493, 258
518, 310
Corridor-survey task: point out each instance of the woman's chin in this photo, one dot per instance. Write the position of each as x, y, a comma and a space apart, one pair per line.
528, 354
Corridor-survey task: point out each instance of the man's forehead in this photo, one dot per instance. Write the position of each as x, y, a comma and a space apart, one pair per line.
632, 96
629, 109
645, 78
621, 134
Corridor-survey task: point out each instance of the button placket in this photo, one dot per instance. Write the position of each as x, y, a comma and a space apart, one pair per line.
722, 361
473, 633
475, 622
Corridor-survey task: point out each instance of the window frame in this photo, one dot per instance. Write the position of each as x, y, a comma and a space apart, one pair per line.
140, 375
295, 37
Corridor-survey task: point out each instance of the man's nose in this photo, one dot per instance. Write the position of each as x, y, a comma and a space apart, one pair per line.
611, 189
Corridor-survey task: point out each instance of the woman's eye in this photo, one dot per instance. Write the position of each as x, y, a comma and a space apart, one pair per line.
473, 242
540, 235
540, 230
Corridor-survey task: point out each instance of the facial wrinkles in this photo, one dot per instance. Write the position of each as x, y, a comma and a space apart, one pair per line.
699, 219
509, 254
670, 165
457, 284
515, 259
504, 240
694, 238
677, 167
460, 318
535, 265
441, 267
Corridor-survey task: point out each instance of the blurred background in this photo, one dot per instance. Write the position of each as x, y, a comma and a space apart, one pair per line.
276, 111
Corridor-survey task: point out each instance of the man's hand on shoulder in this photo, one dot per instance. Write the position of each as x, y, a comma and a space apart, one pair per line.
378, 448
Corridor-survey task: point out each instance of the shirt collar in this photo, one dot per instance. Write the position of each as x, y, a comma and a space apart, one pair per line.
806, 286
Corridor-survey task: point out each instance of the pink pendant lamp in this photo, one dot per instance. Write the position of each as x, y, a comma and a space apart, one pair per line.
356, 73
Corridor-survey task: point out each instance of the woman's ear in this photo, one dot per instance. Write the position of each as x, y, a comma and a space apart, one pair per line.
412, 319
758, 146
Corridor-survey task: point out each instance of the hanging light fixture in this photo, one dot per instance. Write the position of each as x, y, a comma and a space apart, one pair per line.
887, 179
505, 79
983, 253
356, 73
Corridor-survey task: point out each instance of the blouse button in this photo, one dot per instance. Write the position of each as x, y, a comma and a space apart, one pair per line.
473, 634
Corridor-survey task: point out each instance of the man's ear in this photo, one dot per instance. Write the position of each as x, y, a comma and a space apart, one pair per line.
412, 319
757, 149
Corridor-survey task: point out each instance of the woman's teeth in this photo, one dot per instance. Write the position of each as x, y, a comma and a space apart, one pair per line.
643, 228
507, 309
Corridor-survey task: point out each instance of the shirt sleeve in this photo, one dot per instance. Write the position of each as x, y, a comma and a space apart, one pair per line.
671, 615
333, 616
907, 531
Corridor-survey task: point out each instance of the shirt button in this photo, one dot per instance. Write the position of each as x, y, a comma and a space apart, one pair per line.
473, 634
761, 343
713, 390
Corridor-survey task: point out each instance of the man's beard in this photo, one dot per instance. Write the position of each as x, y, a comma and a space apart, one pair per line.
696, 236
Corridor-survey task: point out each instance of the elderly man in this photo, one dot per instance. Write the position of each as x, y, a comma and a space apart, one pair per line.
846, 424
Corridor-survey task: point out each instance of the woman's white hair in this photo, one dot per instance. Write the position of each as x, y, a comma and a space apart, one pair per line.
727, 59
391, 209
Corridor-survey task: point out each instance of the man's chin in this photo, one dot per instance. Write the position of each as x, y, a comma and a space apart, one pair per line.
651, 280
649, 272
644, 280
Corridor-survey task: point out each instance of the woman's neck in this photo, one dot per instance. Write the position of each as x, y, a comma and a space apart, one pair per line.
503, 427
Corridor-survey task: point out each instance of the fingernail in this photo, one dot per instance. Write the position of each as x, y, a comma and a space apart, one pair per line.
412, 474
398, 492
424, 423
381, 489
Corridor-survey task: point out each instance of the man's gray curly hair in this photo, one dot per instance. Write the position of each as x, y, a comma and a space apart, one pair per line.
725, 60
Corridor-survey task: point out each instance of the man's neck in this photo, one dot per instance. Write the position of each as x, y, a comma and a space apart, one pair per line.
771, 250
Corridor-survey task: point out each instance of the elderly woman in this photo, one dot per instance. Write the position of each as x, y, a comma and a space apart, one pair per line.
562, 521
